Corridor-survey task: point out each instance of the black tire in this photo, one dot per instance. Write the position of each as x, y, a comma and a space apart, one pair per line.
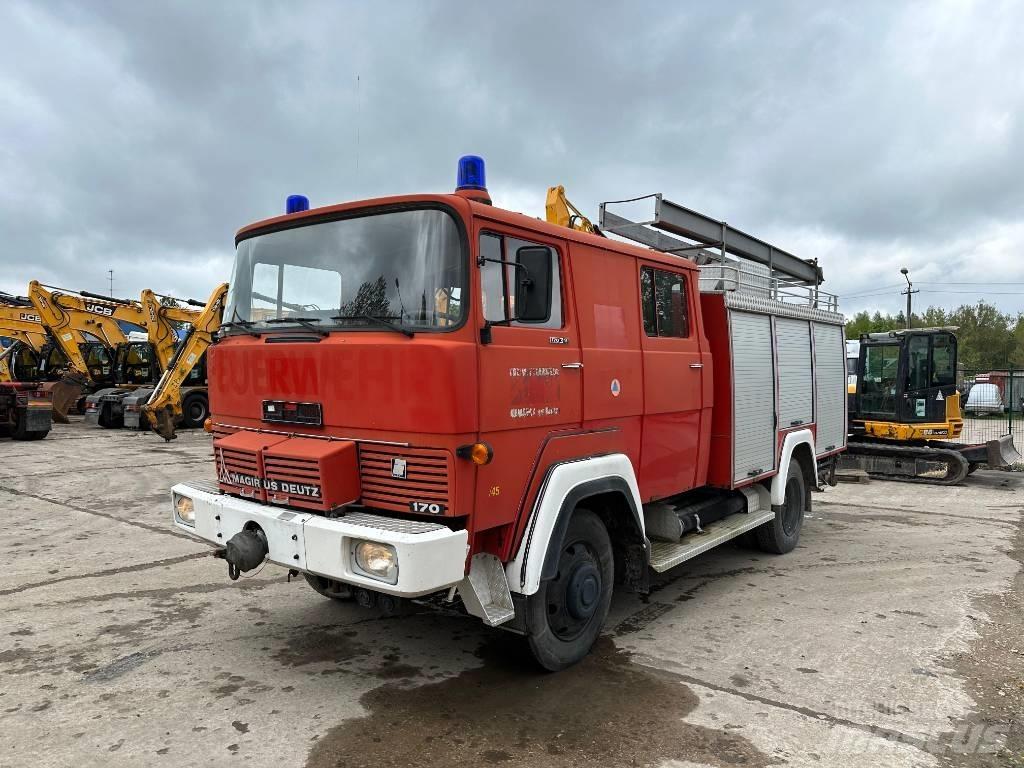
782, 534
107, 420
329, 587
21, 433
565, 616
194, 410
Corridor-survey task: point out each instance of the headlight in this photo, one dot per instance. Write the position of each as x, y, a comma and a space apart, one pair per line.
184, 510
378, 561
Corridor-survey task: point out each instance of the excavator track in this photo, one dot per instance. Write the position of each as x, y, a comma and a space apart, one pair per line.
907, 464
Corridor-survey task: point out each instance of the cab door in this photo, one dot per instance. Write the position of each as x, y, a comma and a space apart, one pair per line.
673, 381
530, 371
929, 376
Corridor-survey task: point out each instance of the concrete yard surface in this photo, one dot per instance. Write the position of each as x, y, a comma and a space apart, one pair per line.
892, 636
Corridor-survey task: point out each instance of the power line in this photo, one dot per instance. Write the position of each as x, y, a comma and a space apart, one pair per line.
992, 282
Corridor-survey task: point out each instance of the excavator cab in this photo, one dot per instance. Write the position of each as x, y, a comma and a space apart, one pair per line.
135, 363
906, 385
24, 364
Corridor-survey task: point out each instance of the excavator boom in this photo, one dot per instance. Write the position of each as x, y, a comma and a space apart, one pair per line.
164, 410
64, 313
558, 210
160, 321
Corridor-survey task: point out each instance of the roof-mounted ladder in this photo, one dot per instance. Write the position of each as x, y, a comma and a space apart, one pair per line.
705, 232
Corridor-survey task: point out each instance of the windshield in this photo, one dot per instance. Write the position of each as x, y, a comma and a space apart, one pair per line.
405, 267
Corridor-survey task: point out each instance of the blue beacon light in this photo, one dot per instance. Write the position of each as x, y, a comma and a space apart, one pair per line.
471, 173
296, 204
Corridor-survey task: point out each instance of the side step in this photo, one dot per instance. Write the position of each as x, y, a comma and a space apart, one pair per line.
666, 555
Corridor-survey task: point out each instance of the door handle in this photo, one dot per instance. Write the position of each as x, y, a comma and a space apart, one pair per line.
696, 365
572, 365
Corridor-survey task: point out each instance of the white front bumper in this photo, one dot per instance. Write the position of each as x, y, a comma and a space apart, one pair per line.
431, 556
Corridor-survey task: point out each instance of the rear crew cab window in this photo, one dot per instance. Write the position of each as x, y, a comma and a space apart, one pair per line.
663, 298
498, 281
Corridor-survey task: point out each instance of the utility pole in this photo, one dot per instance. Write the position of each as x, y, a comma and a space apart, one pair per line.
908, 293
110, 277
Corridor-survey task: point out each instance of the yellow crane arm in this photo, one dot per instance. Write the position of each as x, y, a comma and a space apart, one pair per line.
159, 325
32, 339
24, 324
64, 313
164, 407
558, 210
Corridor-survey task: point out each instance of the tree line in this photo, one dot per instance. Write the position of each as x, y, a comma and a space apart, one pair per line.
987, 337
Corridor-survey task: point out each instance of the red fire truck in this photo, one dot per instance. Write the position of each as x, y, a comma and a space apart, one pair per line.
426, 395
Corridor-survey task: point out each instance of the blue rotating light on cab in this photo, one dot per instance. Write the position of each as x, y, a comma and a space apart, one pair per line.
471, 173
296, 204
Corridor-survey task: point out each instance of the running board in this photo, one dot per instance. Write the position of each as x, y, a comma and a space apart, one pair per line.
666, 555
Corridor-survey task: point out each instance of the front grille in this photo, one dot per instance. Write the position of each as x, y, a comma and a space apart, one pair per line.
291, 481
241, 467
426, 481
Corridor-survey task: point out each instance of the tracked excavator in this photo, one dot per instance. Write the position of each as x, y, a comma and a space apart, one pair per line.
173, 400
904, 413
63, 313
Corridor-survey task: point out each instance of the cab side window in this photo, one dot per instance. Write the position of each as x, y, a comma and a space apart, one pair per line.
505, 263
663, 298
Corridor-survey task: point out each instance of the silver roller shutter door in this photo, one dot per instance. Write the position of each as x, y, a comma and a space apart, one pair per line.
753, 395
796, 391
830, 389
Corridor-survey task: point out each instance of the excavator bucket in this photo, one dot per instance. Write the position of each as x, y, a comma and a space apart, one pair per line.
66, 393
1003, 453
163, 423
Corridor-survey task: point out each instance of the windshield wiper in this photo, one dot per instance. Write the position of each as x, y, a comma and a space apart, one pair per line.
244, 324
305, 322
382, 321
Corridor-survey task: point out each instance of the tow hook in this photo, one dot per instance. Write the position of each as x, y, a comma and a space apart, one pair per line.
244, 551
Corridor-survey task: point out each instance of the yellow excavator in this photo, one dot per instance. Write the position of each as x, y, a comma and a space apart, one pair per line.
21, 324
64, 313
165, 407
139, 364
904, 412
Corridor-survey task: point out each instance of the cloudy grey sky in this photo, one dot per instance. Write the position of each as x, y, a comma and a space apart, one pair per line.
139, 136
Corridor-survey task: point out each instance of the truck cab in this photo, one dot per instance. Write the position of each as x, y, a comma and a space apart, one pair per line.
428, 395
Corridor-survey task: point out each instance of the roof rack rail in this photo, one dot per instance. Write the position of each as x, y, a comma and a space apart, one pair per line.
706, 232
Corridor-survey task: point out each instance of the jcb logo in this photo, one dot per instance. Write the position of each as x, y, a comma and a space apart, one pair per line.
29, 317
99, 309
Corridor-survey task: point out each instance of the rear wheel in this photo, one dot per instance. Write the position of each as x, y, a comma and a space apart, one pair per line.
329, 587
565, 616
194, 410
782, 534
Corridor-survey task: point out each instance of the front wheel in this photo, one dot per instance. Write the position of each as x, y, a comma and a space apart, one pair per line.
329, 587
781, 535
565, 616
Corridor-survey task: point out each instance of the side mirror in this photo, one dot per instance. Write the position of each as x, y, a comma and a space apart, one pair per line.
533, 284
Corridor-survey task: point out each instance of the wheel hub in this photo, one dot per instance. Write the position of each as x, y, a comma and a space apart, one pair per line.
583, 590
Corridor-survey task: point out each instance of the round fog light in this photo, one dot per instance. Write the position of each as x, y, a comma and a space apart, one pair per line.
185, 509
377, 560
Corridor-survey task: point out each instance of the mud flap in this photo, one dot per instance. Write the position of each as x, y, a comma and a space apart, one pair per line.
1002, 453
65, 394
